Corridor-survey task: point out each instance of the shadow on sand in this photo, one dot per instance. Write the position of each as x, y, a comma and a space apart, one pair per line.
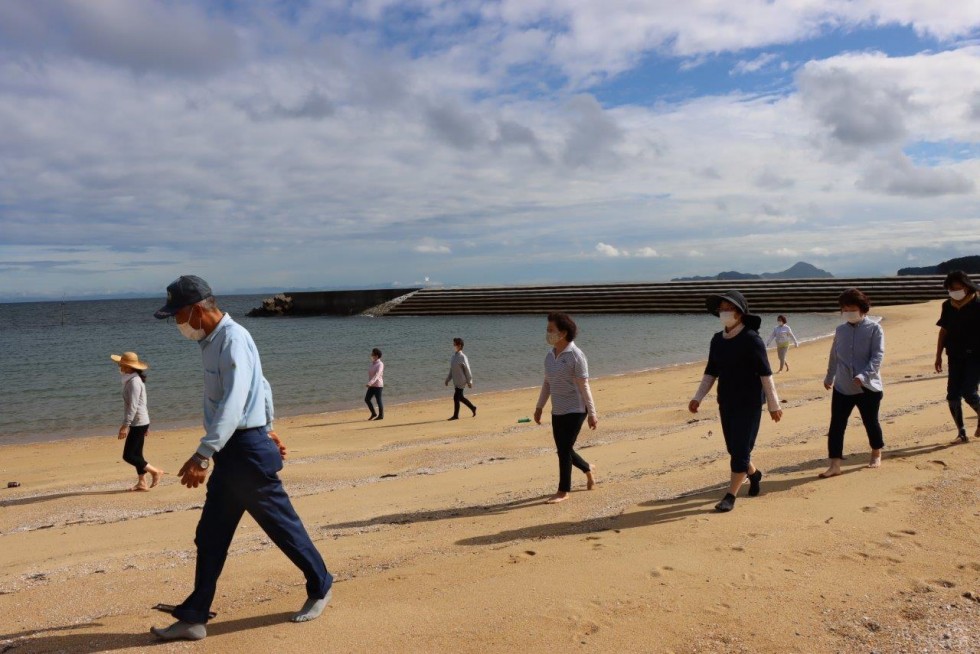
411, 517
691, 503
90, 643
34, 499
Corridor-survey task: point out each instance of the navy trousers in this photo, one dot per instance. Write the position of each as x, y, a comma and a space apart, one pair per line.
868, 403
245, 478
740, 427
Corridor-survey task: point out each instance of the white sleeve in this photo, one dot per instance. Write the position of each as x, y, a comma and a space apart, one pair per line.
706, 383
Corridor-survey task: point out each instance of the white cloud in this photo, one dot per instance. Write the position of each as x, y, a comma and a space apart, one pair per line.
609, 250
646, 253
432, 248
748, 66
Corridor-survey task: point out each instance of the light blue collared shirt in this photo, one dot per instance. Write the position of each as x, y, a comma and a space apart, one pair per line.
236, 395
857, 352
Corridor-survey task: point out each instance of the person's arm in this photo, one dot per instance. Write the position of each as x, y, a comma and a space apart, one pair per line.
235, 367
877, 355
828, 381
465, 364
586, 391
793, 336
131, 398
772, 399
940, 346
771, 336
270, 417
542, 400
707, 381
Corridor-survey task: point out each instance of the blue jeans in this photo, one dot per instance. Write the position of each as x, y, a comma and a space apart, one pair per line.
245, 478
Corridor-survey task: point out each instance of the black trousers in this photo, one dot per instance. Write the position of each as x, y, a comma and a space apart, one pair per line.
961, 384
867, 402
458, 399
246, 478
740, 426
133, 449
565, 429
375, 392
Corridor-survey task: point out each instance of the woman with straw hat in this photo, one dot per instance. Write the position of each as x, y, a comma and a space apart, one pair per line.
136, 418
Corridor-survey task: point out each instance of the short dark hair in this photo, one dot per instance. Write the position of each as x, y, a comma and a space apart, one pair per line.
376, 352
564, 323
781, 318
458, 341
959, 277
853, 296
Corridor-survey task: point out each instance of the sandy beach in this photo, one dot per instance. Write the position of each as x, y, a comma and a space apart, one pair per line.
439, 540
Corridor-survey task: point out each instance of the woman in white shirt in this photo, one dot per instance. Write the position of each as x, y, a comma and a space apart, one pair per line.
566, 382
783, 336
136, 418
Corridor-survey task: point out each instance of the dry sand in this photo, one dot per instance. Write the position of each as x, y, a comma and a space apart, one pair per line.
439, 540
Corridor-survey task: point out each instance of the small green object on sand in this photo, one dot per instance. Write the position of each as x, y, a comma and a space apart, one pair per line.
524, 420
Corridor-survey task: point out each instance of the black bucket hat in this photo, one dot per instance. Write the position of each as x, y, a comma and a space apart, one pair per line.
958, 276
714, 301
184, 291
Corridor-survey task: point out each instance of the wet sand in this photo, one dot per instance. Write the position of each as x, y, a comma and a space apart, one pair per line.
439, 540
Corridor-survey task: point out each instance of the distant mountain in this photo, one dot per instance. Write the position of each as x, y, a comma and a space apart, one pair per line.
969, 264
799, 270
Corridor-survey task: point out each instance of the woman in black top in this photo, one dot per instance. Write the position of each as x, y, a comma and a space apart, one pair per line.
738, 360
959, 335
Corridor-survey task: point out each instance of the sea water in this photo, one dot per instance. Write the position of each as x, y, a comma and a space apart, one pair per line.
57, 381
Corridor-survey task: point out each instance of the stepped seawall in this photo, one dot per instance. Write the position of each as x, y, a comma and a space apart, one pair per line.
764, 296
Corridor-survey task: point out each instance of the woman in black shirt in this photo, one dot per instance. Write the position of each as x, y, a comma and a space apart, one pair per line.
959, 335
737, 359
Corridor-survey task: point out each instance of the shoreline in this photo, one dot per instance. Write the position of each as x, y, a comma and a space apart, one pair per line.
107, 431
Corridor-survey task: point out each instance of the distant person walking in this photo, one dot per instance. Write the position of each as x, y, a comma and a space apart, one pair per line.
238, 415
737, 359
566, 382
376, 384
959, 335
783, 336
853, 371
136, 418
460, 376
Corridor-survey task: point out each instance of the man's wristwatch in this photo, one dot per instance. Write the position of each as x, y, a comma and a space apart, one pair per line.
202, 462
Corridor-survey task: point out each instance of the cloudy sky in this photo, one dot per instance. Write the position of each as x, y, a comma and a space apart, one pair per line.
333, 143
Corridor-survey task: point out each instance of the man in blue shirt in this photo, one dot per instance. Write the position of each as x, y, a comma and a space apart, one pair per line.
238, 414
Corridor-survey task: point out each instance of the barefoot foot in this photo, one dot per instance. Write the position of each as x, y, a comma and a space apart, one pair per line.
312, 608
832, 471
556, 498
590, 477
875, 461
155, 476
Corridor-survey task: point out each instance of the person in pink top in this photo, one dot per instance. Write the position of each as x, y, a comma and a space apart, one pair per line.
376, 382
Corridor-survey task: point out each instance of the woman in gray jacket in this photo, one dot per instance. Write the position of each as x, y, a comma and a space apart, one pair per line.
460, 376
136, 418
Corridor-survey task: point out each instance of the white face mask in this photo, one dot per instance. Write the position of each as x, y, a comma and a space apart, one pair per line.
189, 332
552, 337
957, 295
851, 316
727, 319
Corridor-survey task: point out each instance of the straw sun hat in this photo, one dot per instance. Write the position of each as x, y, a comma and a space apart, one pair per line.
130, 359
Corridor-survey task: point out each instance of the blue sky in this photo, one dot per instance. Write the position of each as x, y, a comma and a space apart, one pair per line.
330, 143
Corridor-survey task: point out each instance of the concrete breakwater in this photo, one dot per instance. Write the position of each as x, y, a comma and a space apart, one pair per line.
764, 296
329, 303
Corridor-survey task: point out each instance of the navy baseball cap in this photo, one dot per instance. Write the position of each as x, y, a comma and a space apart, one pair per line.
185, 291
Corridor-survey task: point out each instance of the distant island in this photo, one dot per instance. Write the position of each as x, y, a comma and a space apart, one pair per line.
969, 264
799, 270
